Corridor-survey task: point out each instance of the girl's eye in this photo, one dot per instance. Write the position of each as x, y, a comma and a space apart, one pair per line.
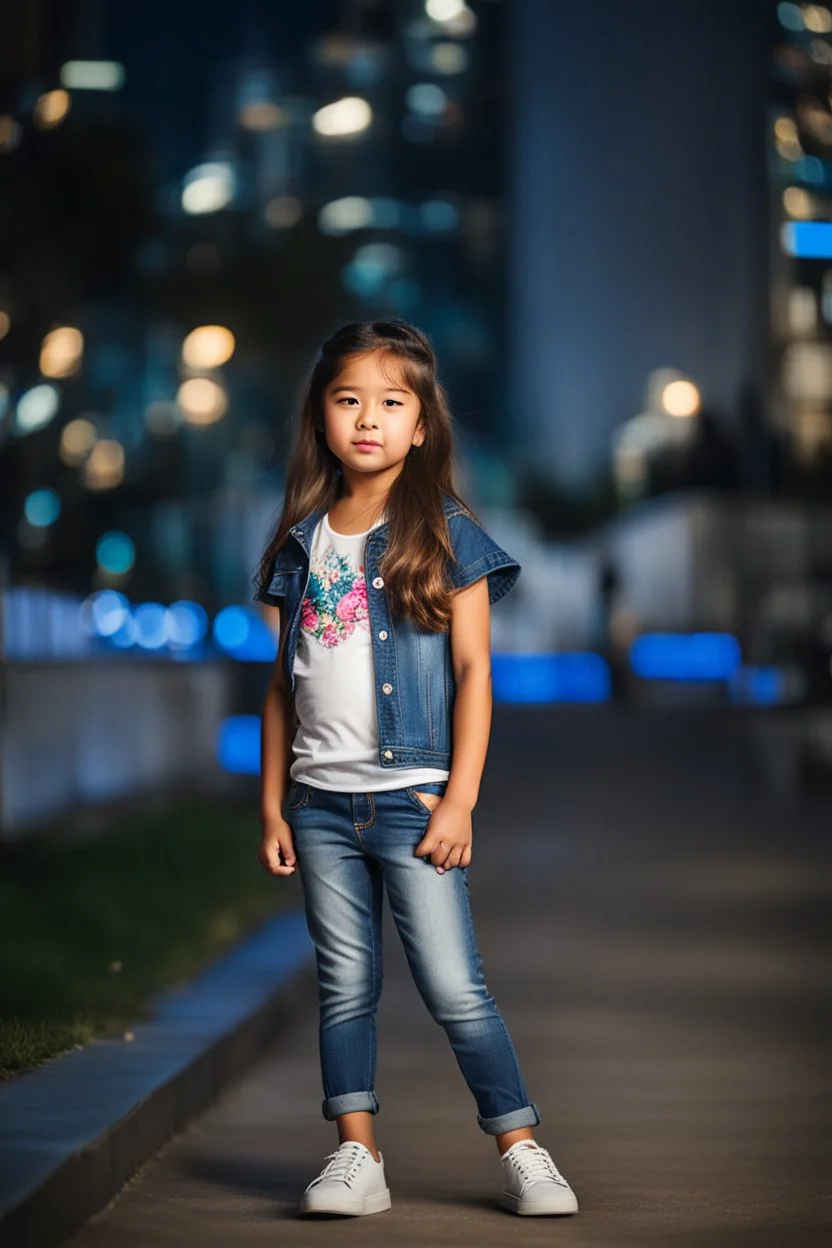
350, 398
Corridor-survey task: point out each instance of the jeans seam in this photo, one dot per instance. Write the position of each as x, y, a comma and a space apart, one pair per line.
359, 826
521, 1083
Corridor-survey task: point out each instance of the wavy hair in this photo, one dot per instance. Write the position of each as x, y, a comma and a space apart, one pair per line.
415, 563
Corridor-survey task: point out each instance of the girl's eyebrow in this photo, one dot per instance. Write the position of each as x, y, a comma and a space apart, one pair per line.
397, 389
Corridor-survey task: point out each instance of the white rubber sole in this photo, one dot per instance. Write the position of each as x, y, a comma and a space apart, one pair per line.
350, 1208
555, 1206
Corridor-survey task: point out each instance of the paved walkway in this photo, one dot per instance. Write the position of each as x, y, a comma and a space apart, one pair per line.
650, 927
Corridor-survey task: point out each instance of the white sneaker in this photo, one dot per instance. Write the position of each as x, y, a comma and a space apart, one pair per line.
352, 1182
533, 1183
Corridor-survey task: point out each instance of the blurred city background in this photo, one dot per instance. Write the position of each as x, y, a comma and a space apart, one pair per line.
614, 219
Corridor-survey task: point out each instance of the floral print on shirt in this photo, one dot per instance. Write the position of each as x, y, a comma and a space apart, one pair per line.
336, 600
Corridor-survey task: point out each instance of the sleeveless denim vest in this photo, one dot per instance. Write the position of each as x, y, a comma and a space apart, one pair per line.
414, 680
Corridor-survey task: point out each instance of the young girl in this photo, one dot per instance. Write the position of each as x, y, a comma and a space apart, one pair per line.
377, 717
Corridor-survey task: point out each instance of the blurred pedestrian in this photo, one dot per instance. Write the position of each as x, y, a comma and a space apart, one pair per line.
384, 579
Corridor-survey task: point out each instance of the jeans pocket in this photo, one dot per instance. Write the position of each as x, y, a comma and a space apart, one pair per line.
298, 795
434, 786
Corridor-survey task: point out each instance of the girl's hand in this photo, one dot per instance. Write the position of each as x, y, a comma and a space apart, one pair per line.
449, 837
277, 847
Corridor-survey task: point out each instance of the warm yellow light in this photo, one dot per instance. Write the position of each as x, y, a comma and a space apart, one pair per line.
785, 129
681, 398
817, 19
10, 133
77, 440
51, 108
262, 116
201, 401
62, 352
798, 203
5, 324
345, 117
208, 346
105, 467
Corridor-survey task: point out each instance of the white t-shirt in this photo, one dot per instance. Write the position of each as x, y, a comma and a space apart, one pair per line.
336, 743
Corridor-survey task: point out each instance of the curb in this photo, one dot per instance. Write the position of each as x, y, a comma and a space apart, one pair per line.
72, 1132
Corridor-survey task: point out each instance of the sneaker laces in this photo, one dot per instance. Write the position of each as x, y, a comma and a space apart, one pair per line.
534, 1163
343, 1164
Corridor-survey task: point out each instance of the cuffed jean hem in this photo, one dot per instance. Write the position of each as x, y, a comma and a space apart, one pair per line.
349, 1103
529, 1116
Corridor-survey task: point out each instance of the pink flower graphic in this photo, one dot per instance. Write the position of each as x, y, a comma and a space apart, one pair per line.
353, 605
309, 616
329, 637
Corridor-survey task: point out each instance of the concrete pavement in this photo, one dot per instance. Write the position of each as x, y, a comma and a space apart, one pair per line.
651, 928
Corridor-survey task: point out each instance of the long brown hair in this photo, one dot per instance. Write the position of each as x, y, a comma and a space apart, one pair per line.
415, 563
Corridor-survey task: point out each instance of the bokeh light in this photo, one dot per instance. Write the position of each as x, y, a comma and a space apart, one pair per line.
209, 346
51, 108
681, 398
231, 628
186, 624
283, 212
10, 133
453, 15
201, 401
262, 116
115, 552
5, 324
77, 440
42, 508
151, 625
427, 98
344, 118
62, 352
105, 612
353, 212
208, 188
448, 58
92, 75
36, 407
104, 469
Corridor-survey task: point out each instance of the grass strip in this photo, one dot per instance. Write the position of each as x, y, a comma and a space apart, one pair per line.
91, 931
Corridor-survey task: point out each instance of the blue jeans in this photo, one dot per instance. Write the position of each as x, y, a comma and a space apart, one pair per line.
349, 846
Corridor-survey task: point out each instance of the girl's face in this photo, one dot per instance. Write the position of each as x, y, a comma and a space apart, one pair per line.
369, 402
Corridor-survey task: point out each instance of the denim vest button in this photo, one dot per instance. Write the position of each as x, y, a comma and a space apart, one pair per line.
388, 753
378, 581
383, 635
386, 688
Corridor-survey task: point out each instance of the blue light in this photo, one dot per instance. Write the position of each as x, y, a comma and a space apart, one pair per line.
238, 746
808, 239
116, 553
757, 686
231, 628
151, 631
575, 677
126, 634
186, 624
245, 635
42, 508
685, 656
108, 611
790, 16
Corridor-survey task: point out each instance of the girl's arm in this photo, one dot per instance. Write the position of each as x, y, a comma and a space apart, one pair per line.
277, 852
450, 832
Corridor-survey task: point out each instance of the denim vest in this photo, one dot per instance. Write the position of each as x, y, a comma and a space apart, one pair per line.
414, 680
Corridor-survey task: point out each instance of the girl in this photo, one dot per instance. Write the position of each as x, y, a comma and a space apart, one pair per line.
377, 717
